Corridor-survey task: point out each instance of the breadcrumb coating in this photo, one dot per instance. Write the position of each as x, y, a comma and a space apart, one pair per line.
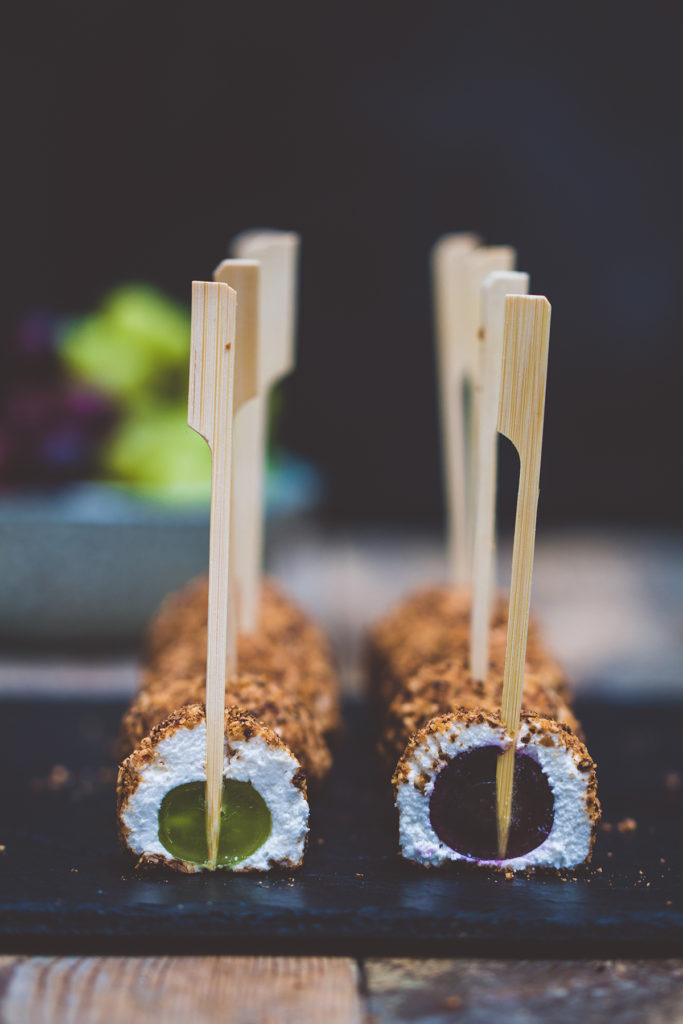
266, 699
432, 626
446, 686
288, 647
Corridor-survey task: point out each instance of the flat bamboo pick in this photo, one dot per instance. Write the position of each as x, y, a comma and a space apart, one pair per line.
478, 265
458, 269
278, 255
244, 276
496, 286
448, 284
210, 413
520, 418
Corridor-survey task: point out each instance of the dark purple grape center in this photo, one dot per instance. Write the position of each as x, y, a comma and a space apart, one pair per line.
462, 809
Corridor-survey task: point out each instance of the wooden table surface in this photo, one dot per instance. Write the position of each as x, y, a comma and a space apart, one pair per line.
636, 585
319, 990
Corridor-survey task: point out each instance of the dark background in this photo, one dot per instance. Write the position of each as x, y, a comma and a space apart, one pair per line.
140, 137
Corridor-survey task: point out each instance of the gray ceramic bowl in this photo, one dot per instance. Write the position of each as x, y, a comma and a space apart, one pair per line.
89, 565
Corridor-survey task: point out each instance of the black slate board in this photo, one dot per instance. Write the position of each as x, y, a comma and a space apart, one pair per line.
64, 885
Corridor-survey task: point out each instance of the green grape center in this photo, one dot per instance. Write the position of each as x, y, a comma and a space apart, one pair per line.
246, 822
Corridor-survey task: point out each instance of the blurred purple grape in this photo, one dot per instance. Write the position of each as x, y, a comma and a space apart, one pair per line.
51, 429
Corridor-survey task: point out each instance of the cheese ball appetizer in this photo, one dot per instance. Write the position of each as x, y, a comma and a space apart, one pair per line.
161, 796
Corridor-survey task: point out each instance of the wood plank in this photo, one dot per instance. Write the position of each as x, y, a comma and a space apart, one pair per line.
179, 990
525, 992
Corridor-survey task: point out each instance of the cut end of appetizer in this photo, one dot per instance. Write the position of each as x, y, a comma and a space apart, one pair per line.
445, 789
161, 797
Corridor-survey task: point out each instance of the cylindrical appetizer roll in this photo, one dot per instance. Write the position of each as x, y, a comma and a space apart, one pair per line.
446, 732
445, 791
161, 796
267, 699
284, 699
183, 616
288, 646
432, 625
306, 674
438, 689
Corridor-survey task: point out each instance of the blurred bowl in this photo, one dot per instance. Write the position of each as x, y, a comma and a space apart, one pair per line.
89, 565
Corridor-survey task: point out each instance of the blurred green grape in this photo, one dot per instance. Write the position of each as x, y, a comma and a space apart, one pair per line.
156, 455
135, 348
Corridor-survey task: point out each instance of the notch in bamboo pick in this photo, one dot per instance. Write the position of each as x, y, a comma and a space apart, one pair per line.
210, 413
244, 276
494, 289
278, 255
520, 418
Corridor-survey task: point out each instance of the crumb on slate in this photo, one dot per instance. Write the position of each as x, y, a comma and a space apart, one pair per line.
627, 825
672, 781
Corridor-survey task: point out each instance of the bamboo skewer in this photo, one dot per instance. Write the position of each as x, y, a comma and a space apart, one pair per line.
520, 418
478, 265
496, 286
277, 253
448, 283
210, 413
458, 270
244, 276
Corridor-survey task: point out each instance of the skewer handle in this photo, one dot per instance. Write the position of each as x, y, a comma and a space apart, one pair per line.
244, 277
478, 266
277, 253
448, 283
